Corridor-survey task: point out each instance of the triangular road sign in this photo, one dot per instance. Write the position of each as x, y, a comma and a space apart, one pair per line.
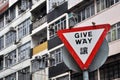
84, 42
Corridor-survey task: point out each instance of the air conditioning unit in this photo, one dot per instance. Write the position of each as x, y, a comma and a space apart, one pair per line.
23, 71
54, 5
17, 41
12, 29
38, 58
32, 18
9, 19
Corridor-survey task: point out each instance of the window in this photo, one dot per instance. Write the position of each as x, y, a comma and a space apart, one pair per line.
10, 59
83, 12
40, 62
110, 71
93, 75
114, 33
58, 25
10, 14
73, 19
10, 38
24, 74
86, 12
44, 63
23, 5
1, 62
24, 28
11, 77
1, 42
24, 52
56, 57
77, 76
109, 36
35, 65
1, 21
102, 4
54, 3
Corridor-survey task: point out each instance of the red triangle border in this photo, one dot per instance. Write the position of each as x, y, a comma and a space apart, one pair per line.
106, 28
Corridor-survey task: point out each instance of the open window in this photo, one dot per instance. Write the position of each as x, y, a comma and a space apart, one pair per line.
39, 16
55, 3
39, 63
1, 21
56, 57
10, 59
73, 19
24, 51
24, 74
57, 25
1, 62
23, 5
1, 42
10, 37
10, 14
11, 77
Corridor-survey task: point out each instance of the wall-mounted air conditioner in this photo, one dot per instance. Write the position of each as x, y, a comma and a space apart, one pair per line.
17, 41
12, 29
23, 71
8, 19
38, 58
54, 5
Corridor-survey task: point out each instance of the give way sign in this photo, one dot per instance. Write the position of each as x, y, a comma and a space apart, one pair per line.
84, 42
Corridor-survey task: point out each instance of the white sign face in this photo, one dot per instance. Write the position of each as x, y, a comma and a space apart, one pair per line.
83, 42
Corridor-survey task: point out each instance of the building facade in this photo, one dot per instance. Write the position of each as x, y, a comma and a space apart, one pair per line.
30, 48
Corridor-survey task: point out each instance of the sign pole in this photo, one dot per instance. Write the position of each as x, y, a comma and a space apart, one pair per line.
85, 75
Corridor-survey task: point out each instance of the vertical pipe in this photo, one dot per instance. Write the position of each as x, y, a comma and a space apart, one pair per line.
85, 75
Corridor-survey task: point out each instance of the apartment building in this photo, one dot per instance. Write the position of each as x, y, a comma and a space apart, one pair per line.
30, 48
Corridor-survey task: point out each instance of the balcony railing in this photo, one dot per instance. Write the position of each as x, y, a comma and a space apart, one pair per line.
39, 22
40, 48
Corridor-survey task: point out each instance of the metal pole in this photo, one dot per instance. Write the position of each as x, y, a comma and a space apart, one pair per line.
85, 75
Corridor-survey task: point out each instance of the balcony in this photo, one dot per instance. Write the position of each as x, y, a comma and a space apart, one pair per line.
39, 14
39, 41
3, 5
39, 22
40, 47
